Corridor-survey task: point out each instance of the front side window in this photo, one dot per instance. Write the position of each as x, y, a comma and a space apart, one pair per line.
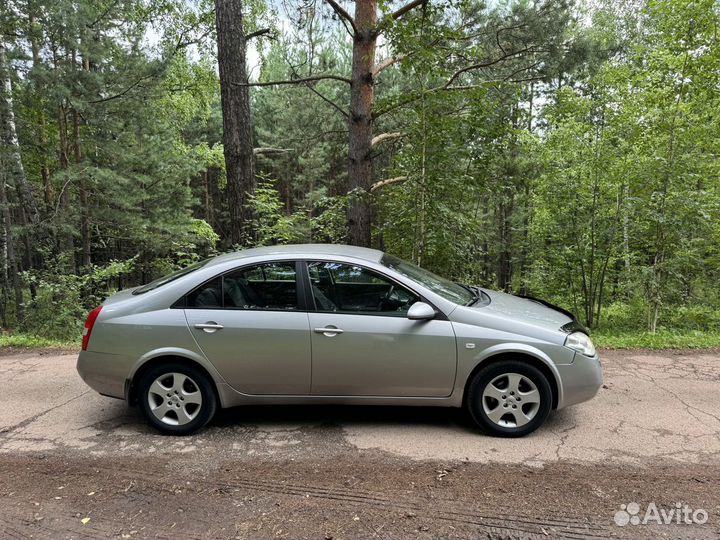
271, 286
353, 289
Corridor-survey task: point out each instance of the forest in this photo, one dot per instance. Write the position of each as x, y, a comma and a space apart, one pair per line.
565, 150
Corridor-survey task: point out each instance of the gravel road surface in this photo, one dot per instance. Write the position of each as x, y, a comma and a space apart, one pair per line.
74, 464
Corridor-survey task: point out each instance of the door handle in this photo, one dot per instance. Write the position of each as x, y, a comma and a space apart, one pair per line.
209, 327
329, 331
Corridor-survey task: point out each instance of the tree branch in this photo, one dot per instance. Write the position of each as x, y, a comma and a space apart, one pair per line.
121, 94
315, 91
337, 8
257, 33
327, 100
488, 63
387, 182
388, 62
102, 15
386, 137
297, 81
410, 98
395, 15
264, 151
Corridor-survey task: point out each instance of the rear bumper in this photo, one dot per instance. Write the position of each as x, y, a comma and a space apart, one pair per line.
580, 380
105, 373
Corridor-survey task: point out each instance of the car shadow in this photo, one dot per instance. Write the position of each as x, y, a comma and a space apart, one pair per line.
327, 416
298, 416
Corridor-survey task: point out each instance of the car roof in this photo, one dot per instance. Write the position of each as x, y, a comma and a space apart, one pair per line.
302, 251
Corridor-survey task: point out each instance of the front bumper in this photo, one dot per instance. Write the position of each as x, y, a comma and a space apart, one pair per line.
104, 373
580, 379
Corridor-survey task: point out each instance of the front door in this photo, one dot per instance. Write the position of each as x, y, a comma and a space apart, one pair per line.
249, 324
363, 344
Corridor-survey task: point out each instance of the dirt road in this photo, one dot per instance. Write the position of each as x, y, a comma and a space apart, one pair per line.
75, 464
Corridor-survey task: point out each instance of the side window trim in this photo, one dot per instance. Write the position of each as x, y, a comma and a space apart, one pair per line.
300, 289
312, 305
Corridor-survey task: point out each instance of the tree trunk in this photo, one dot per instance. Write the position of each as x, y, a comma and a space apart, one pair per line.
10, 266
12, 160
237, 128
82, 185
41, 121
362, 97
66, 243
504, 270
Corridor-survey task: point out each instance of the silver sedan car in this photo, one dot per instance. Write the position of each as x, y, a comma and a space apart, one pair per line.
329, 324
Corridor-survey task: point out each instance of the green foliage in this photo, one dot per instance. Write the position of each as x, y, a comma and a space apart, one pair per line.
323, 222
576, 161
29, 341
662, 339
272, 225
62, 301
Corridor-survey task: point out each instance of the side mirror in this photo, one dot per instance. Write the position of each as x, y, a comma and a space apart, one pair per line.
420, 311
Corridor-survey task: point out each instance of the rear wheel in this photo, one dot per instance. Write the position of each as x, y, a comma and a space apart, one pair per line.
509, 398
176, 399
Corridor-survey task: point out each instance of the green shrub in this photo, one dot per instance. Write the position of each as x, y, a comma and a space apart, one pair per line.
62, 301
624, 317
662, 339
621, 317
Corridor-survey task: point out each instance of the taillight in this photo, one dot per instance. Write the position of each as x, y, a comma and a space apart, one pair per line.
89, 323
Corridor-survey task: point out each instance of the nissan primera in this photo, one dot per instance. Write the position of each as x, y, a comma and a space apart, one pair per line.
328, 324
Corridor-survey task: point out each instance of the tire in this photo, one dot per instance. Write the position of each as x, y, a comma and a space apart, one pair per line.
176, 399
509, 398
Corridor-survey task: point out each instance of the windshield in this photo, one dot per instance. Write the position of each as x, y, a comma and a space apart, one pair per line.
170, 277
444, 287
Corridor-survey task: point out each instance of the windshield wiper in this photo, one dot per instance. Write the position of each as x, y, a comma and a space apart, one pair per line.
475, 294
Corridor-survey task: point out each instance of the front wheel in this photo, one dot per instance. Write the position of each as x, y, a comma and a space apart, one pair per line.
509, 398
176, 399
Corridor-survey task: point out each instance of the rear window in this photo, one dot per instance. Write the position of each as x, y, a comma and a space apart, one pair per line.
170, 277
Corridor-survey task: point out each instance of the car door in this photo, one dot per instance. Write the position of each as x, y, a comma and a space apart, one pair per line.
363, 344
250, 324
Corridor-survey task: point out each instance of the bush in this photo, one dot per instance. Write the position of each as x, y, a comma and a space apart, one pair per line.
62, 301
622, 318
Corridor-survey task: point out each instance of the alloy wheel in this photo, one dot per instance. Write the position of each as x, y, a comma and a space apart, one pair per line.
511, 400
174, 399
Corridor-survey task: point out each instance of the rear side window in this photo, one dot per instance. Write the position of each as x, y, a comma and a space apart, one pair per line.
265, 286
207, 296
170, 277
269, 286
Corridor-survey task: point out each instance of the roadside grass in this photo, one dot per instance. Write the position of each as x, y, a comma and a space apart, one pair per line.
30, 341
663, 339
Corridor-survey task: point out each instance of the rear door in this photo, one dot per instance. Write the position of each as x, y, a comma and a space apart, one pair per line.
252, 325
363, 344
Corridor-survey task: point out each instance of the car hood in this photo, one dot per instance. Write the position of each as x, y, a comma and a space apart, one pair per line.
524, 309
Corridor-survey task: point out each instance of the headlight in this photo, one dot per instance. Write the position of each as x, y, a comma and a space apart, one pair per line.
579, 342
